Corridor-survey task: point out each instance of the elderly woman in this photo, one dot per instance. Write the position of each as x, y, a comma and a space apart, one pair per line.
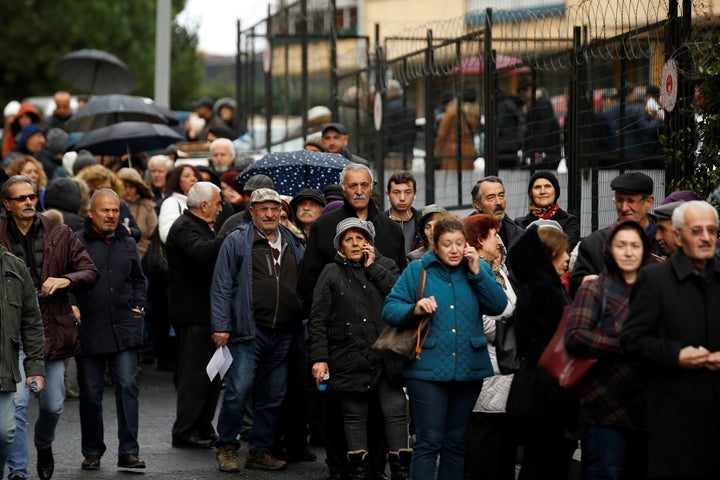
31, 168
491, 442
545, 413
612, 410
543, 195
179, 183
444, 382
344, 323
139, 197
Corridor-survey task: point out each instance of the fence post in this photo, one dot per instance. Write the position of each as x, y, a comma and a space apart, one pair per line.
241, 110
429, 123
268, 83
304, 101
334, 103
574, 190
491, 161
380, 67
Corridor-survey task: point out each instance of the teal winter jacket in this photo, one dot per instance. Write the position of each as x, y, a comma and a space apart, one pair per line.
456, 347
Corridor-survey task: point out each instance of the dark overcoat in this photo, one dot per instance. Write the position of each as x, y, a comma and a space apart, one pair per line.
671, 307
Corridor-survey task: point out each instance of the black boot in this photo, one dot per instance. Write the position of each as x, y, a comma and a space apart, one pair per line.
400, 464
45, 463
358, 464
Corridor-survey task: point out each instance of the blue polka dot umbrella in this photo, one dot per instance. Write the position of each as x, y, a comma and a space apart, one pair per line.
293, 171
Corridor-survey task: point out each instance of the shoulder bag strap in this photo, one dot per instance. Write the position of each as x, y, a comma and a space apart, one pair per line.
425, 321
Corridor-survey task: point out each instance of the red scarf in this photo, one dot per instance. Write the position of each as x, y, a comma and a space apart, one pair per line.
545, 213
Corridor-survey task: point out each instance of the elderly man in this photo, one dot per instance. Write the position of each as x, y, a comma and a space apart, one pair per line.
62, 111
633, 196
58, 263
192, 248
19, 320
673, 326
356, 181
488, 196
665, 235
111, 332
158, 168
253, 309
223, 155
307, 206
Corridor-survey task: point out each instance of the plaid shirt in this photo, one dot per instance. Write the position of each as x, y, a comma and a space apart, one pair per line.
614, 396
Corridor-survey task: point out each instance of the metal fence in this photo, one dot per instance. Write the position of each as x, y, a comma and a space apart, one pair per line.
574, 90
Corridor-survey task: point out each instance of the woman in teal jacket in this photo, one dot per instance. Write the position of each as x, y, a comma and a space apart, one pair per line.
445, 381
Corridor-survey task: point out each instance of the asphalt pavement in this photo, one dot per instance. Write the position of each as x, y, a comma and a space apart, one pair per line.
157, 413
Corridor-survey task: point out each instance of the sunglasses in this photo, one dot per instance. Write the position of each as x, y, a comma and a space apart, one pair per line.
22, 198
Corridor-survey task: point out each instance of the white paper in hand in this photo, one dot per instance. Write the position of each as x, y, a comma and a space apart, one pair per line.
219, 363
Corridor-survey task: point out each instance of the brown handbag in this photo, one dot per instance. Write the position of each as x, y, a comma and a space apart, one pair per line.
405, 342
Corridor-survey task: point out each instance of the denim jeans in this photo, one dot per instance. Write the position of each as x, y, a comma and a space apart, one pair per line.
91, 375
441, 412
50, 407
356, 409
613, 454
7, 426
259, 367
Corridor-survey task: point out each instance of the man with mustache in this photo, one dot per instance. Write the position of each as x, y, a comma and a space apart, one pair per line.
488, 196
307, 206
673, 326
58, 263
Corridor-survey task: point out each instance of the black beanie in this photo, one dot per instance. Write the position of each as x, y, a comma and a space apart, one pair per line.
550, 177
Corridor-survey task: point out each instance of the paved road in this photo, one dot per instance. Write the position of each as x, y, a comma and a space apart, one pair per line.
157, 412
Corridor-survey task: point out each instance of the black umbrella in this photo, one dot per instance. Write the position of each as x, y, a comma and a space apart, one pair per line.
107, 110
293, 171
95, 71
128, 137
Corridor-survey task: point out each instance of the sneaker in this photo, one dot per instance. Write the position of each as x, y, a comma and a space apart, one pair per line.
227, 458
263, 461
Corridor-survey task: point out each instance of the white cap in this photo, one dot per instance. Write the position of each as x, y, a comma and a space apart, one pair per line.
12, 108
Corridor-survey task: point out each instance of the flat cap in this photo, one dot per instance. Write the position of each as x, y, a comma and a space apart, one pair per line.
265, 195
307, 194
665, 211
258, 181
335, 126
333, 192
633, 182
207, 102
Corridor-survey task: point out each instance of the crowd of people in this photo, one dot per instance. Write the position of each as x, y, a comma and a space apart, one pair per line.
298, 289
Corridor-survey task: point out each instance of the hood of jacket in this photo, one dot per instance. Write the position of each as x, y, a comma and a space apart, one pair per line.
528, 260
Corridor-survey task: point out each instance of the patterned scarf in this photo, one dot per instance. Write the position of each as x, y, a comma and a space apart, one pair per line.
546, 212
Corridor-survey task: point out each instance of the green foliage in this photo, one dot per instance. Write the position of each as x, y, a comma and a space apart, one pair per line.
703, 174
37, 33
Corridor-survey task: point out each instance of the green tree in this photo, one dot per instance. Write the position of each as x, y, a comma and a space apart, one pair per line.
36, 33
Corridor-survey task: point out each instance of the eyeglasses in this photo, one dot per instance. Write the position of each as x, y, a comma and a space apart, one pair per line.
619, 200
22, 198
698, 231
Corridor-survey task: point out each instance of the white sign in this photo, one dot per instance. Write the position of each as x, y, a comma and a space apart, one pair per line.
377, 111
669, 86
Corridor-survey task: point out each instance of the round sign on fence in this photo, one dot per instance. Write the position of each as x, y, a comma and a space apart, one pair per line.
669, 87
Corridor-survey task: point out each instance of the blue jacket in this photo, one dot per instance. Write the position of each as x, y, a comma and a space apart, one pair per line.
456, 347
108, 323
231, 303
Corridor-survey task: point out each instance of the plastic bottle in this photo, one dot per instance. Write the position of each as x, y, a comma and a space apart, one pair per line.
322, 386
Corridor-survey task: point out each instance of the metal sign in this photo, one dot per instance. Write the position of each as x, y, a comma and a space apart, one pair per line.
377, 111
669, 87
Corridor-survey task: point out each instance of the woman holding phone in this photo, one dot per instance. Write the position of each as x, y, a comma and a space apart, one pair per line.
344, 323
